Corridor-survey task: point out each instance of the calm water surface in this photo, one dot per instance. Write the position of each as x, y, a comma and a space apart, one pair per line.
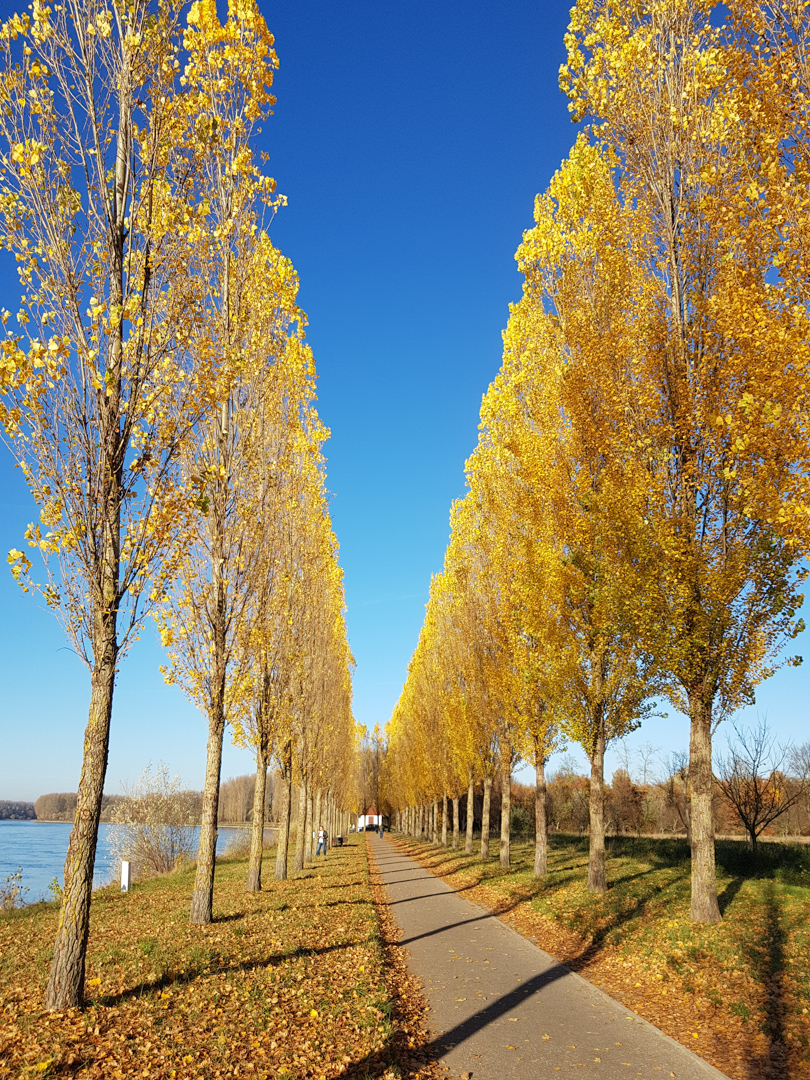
40, 847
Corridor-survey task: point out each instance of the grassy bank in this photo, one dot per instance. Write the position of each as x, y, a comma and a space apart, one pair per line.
287, 983
738, 993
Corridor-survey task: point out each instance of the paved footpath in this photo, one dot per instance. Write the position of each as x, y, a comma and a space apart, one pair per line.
500, 1008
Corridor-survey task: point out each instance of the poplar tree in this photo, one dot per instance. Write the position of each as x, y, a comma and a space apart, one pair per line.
227, 82
99, 385
658, 79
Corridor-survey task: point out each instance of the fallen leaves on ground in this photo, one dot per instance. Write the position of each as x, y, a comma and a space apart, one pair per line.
737, 993
411, 1035
287, 983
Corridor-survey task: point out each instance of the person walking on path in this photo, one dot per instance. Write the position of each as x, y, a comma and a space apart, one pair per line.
502, 1009
321, 848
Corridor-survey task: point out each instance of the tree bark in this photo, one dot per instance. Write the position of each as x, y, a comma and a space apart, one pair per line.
540, 820
704, 907
300, 824
66, 982
435, 816
468, 841
316, 821
308, 848
485, 819
456, 801
597, 878
202, 899
444, 819
254, 877
283, 847
504, 853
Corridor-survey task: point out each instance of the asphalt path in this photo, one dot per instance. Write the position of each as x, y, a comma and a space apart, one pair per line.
502, 1009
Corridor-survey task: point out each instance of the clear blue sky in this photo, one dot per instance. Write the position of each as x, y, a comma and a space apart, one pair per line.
410, 140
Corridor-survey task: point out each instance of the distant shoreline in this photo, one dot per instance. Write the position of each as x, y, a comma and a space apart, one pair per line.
58, 821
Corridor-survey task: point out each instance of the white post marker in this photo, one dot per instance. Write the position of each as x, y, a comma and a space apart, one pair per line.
124, 877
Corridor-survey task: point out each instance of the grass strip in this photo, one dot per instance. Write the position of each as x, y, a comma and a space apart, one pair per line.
288, 984
737, 993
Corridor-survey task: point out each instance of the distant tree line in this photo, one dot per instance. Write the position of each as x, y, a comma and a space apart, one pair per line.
753, 796
61, 806
16, 811
235, 807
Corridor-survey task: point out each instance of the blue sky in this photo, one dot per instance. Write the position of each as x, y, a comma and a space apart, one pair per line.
410, 140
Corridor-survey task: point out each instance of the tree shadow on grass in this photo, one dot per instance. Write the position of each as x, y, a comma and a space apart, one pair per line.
768, 960
726, 897
206, 971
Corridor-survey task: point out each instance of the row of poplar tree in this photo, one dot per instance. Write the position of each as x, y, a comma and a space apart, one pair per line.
638, 503
158, 394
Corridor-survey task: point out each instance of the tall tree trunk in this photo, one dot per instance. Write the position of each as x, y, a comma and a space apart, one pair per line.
506, 811
435, 837
704, 907
540, 820
597, 880
282, 850
300, 825
66, 982
202, 899
485, 818
308, 830
444, 819
456, 801
254, 877
316, 820
468, 842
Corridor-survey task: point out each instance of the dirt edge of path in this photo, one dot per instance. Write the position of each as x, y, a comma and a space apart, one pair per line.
409, 1007
726, 1046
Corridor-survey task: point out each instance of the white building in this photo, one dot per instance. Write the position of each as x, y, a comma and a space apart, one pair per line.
369, 820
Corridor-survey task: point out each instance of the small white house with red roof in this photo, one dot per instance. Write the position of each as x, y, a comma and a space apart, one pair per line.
370, 819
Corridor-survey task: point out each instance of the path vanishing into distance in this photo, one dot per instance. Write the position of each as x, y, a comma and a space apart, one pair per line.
502, 1009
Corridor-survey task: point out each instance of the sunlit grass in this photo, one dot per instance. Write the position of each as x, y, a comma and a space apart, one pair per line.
291, 979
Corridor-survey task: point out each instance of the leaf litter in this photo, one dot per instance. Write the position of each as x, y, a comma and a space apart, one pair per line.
293, 983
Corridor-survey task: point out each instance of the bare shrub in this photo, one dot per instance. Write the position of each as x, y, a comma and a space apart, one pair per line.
153, 826
12, 891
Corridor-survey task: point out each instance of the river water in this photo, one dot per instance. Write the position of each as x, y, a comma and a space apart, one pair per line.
39, 849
